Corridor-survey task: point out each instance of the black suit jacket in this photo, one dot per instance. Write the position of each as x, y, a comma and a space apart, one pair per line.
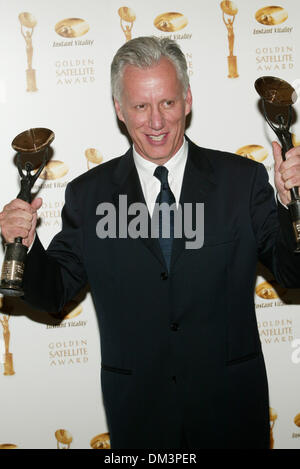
181, 355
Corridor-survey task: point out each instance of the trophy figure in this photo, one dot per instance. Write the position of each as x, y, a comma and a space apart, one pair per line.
277, 92
127, 14
32, 142
273, 418
230, 10
8, 357
28, 22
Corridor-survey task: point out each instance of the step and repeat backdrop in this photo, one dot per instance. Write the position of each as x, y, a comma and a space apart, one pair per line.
55, 73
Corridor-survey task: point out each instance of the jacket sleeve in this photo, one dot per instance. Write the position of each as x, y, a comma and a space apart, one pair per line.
273, 232
54, 276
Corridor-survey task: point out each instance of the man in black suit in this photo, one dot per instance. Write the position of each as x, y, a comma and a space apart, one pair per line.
182, 365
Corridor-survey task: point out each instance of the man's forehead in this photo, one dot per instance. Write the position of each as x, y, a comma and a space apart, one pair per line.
132, 68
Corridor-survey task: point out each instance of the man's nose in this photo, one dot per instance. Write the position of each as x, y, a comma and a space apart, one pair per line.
156, 119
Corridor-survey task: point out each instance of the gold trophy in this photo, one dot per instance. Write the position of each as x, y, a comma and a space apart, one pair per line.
8, 357
31, 142
280, 94
273, 418
28, 22
64, 439
230, 10
128, 16
101, 441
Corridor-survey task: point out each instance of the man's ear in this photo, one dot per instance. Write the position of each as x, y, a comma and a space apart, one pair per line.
188, 101
118, 110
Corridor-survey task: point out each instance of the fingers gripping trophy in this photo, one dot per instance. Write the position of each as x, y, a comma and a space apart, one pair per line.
280, 96
33, 142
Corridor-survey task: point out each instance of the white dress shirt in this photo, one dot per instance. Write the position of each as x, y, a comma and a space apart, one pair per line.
151, 185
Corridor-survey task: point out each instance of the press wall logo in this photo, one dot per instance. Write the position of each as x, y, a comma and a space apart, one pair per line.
71, 29
68, 352
270, 57
73, 71
272, 16
172, 22
256, 153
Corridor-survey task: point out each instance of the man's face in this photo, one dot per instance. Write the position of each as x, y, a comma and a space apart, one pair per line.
154, 110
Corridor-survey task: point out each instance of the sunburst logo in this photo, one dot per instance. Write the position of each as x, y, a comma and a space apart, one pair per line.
271, 15
270, 290
253, 152
170, 22
72, 27
101, 441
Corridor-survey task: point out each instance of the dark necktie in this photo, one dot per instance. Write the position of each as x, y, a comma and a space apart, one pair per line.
165, 196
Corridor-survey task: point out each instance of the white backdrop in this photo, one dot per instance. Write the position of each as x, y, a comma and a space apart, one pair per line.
49, 381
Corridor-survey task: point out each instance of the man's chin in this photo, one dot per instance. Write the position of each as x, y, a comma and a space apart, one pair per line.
156, 155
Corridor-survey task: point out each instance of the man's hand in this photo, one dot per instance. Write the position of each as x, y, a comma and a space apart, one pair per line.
287, 173
18, 219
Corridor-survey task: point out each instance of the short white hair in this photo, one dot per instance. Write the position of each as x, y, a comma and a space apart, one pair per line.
144, 52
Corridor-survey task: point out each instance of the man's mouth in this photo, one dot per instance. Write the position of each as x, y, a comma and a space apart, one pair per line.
157, 138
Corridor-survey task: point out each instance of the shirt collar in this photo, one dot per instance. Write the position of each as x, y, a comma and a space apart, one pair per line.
146, 168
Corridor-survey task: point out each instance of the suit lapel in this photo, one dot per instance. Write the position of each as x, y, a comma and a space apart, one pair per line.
197, 187
128, 183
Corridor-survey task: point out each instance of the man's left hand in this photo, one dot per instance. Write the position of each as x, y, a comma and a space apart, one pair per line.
286, 173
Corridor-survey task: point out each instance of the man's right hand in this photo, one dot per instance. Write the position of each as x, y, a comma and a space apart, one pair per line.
18, 219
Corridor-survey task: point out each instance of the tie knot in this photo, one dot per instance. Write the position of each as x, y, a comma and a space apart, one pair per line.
161, 173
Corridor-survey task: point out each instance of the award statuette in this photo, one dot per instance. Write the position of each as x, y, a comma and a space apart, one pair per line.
230, 10
128, 16
31, 142
28, 23
279, 93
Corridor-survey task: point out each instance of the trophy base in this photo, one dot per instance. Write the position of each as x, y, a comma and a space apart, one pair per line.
31, 81
11, 291
8, 365
13, 269
232, 67
294, 209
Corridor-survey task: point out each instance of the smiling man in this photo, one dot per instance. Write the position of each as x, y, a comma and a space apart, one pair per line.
153, 107
182, 365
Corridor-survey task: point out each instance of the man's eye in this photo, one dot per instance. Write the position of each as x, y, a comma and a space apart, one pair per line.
169, 103
140, 107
